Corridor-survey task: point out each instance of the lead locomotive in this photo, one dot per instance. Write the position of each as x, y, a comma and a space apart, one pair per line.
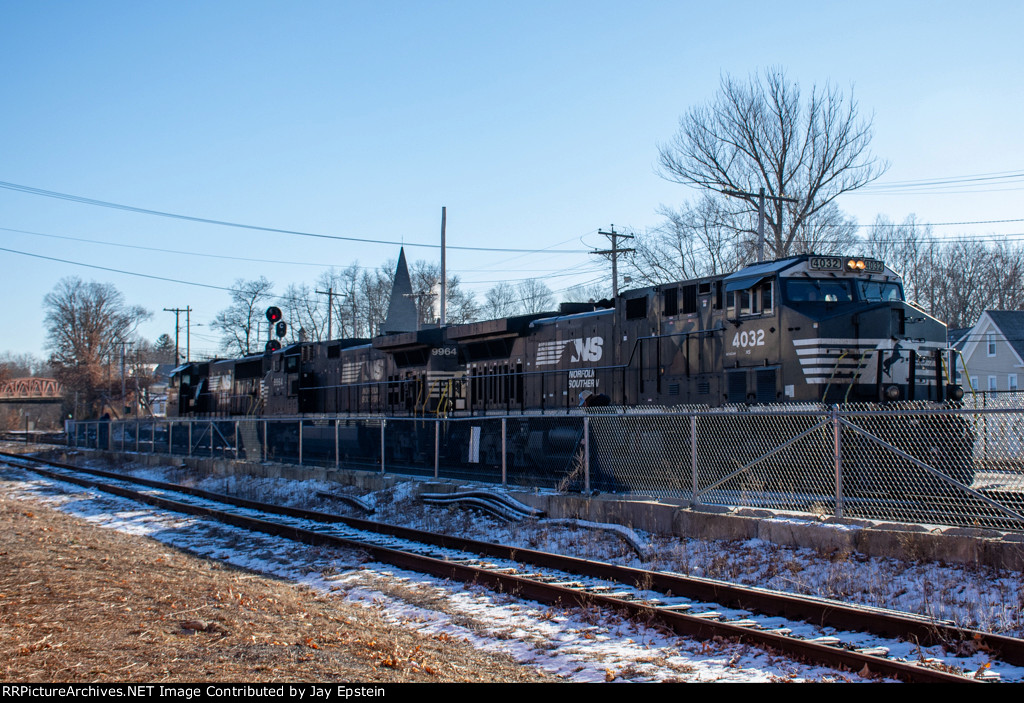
802, 329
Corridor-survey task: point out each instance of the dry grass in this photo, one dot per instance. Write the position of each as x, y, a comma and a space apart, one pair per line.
82, 604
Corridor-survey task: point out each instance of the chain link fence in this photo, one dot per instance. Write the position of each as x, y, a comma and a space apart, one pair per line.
960, 464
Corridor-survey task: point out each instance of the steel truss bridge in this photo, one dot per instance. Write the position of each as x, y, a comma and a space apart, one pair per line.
29, 390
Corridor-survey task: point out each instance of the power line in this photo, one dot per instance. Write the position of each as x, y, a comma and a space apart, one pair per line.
114, 270
938, 190
225, 257
932, 224
225, 223
274, 297
164, 251
948, 180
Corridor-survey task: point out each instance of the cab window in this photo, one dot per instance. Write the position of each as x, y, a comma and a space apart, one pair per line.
879, 292
815, 290
757, 300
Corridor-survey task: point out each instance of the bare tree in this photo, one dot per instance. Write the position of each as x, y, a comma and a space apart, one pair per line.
501, 300
86, 325
376, 293
348, 318
760, 133
907, 248
955, 279
1008, 265
585, 293
238, 324
830, 231
305, 313
460, 307
22, 365
535, 296
693, 242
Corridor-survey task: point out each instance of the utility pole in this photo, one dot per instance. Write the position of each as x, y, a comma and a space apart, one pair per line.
613, 253
330, 307
444, 273
760, 213
177, 329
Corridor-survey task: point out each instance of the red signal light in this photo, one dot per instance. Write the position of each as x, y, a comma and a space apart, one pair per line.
274, 314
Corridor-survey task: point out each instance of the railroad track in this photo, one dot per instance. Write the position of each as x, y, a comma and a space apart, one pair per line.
689, 606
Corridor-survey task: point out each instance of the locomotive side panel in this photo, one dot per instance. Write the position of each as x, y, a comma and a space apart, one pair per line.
570, 358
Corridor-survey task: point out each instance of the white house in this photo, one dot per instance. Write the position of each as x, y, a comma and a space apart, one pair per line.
993, 351
994, 354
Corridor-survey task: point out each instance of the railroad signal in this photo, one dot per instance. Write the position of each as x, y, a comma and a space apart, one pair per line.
274, 314
281, 329
273, 345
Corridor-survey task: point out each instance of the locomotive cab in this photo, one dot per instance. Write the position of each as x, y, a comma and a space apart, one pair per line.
424, 375
854, 337
188, 393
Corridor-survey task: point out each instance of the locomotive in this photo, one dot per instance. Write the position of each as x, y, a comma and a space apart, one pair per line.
804, 329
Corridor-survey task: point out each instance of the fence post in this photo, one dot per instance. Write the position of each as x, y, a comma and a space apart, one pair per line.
437, 447
504, 461
383, 424
300, 442
264, 440
211, 439
138, 429
236, 440
152, 438
190, 423
693, 459
337, 447
170, 438
586, 454
837, 451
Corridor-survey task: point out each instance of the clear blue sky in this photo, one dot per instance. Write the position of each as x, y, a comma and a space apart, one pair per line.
534, 123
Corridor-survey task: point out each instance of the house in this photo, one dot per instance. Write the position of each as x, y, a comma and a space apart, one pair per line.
993, 350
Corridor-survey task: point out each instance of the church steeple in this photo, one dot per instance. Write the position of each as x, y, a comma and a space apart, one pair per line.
402, 314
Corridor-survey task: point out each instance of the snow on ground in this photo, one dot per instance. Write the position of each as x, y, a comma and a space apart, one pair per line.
980, 598
578, 644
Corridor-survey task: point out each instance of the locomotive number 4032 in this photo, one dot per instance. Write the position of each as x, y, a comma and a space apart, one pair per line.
751, 338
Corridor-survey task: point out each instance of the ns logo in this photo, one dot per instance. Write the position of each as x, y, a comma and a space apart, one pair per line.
588, 349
